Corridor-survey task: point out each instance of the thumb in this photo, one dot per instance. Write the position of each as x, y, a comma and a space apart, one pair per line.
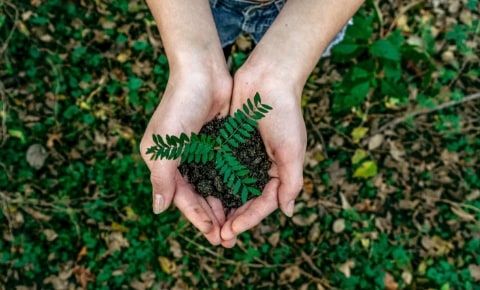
291, 182
162, 177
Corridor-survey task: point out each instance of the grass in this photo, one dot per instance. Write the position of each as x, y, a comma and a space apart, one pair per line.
392, 178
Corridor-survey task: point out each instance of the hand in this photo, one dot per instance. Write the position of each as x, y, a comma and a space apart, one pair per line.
284, 135
188, 103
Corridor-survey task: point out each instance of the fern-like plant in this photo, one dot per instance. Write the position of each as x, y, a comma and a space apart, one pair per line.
202, 148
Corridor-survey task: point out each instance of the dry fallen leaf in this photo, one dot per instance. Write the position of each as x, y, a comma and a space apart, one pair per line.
375, 142
36, 156
83, 276
389, 282
339, 225
290, 274
475, 272
346, 268
274, 238
303, 221
168, 266
50, 234
407, 277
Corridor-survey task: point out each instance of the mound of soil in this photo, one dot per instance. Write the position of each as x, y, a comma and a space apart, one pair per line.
208, 182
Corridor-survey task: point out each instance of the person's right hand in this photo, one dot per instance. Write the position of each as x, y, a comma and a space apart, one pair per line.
190, 100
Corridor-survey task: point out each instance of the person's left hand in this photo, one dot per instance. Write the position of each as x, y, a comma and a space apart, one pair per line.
284, 135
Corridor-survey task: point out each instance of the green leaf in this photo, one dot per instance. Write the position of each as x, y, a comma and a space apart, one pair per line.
227, 174
244, 132
231, 179
384, 49
134, 83
262, 110
249, 180
224, 133
183, 138
257, 116
250, 104
254, 191
205, 157
267, 107
239, 138
243, 172
245, 109
366, 170
257, 99
237, 186
228, 127
359, 155
244, 194
233, 143
232, 122
358, 133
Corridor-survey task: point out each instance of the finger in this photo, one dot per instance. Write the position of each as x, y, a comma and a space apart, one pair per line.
230, 243
163, 178
217, 209
291, 182
252, 213
198, 212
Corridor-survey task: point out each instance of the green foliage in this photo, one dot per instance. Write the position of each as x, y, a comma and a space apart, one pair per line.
204, 148
87, 93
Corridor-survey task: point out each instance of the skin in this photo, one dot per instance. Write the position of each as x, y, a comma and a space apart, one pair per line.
201, 88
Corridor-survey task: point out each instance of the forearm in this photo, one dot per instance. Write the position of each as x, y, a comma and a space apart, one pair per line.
188, 33
302, 31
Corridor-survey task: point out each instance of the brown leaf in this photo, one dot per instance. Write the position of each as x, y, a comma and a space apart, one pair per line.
339, 225
50, 234
475, 272
175, 248
36, 214
274, 238
303, 221
82, 253
347, 267
389, 282
407, 277
137, 285
463, 215
290, 274
375, 142
36, 156
83, 276
314, 233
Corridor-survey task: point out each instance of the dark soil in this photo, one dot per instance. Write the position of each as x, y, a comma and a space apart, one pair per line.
208, 182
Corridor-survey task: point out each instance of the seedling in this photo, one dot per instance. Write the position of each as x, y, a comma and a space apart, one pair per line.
203, 148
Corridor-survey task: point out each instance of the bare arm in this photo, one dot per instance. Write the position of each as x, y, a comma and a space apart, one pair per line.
297, 38
278, 68
188, 33
199, 89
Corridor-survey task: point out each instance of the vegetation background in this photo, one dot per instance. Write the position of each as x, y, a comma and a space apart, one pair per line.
392, 176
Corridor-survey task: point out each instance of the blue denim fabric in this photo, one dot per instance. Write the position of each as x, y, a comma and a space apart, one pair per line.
234, 17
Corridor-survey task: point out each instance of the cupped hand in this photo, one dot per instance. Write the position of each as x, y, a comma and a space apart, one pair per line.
284, 135
190, 100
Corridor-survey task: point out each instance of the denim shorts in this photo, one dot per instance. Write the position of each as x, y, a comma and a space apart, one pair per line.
234, 17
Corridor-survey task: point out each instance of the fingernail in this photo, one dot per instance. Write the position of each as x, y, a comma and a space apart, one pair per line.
289, 209
158, 203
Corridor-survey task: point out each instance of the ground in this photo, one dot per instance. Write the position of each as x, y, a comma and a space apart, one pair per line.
391, 191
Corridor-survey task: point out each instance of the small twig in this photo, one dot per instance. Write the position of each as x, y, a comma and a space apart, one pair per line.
6, 211
439, 107
3, 136
309, 261
7, 41
222, 259
471, 207
313, 278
